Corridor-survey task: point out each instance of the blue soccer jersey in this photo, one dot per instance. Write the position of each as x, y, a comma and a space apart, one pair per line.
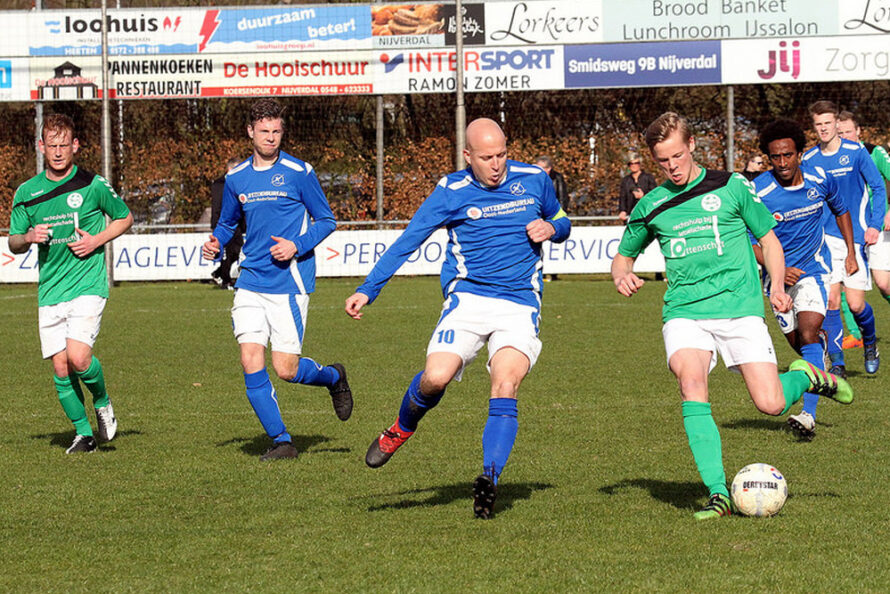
855, 172
798, 211
284, 200
489, 252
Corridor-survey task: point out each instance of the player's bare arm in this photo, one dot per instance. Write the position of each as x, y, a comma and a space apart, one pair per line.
283, 250
774, 262
623, 276
354, 305
539, 230
19, 244
210, 248
87, 244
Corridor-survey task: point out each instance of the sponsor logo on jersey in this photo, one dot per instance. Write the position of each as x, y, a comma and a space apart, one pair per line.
474, 212
678, 247
37, 193
778, 216
277, 180
242, 198
517, 189
844, 160
75, 200
711, 202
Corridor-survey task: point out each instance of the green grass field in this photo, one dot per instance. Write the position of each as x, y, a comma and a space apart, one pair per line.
598, 494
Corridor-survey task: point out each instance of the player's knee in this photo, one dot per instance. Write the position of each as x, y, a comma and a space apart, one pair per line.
435, 381
286, 371
772, 407
79, 362
691, 388
506, 388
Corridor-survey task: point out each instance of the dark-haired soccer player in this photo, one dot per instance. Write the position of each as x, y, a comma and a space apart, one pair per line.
849, 163
286, 215
497, 213
796, 196
879, 253
714, 301
63, 211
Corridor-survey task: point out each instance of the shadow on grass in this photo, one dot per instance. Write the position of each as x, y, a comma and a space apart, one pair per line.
762, 424
680, 495
445, 494
63, 439
259, 444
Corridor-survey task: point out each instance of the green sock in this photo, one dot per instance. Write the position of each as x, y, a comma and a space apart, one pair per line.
94, 380
71, 397
849, 320
794, 384
887, 297
704, 441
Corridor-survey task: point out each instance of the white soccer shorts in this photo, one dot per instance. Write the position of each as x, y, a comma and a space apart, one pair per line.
78, 319
469, 320
879, 253
809, 293
738, 340
259, 318
862, 279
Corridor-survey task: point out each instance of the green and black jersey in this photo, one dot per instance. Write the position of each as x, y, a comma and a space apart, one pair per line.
82, 199
702, 229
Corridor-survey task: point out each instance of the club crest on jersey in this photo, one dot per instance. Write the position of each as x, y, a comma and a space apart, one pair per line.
678, 247
277, 180
75, 200
242, 198
711, 202
517, 189
813, 194
474, 212
844, 160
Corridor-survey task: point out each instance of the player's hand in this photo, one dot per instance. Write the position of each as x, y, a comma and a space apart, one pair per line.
622, 216
354, 305
628, 284
539, 230
871, 236
781, 301
887, 221
850, 264
39, 233
283, 250
86, 245
792, 275
210, 248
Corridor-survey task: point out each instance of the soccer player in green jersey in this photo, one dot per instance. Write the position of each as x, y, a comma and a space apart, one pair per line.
713, 302
63, 211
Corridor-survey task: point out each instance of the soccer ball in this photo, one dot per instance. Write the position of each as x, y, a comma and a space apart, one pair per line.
759, 490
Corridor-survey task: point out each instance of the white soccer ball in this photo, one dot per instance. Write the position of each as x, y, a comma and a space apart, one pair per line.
759, 490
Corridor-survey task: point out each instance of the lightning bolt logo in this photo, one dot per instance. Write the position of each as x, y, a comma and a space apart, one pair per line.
208, 28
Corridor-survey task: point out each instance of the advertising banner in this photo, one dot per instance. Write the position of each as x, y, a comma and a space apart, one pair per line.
670, 20
212, 75
864, 17
642, 64
177, 256
485, 69
811, 59
397, 26
546, 23
14, 79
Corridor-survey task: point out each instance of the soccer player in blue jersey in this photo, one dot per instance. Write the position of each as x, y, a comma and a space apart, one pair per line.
286, 215
497, 213
855, 172
796, 196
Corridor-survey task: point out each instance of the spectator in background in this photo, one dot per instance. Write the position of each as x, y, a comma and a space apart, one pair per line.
223, 273
753, 166
634, 186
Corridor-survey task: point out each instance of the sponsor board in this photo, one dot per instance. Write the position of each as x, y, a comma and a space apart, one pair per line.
864, 17
14, 79
485, 69
642, 64
810, 59
14, 41
211, 75
546, 23
670, 20
399, 26
177, 256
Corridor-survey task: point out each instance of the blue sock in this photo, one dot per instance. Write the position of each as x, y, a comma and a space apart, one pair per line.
834, 328
812, 353
265, 404
499, 435
311, 373
865, 319
415, 404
